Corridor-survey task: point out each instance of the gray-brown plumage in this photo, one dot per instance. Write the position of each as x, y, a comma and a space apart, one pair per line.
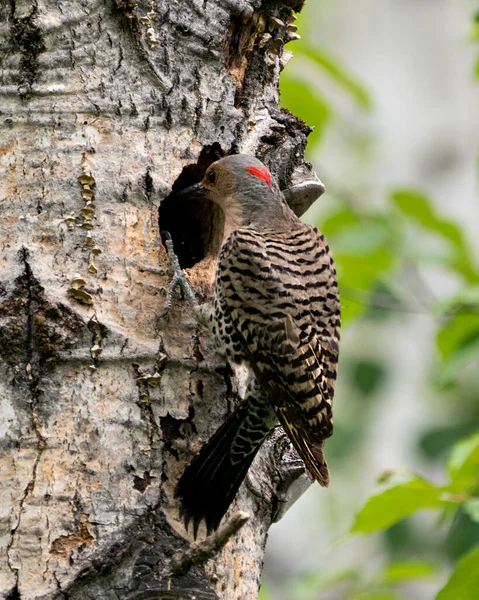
276, 309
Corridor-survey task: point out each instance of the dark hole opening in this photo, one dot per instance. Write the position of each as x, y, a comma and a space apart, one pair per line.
13, 594
193, 224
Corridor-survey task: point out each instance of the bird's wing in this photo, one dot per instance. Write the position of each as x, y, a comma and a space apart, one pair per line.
281, 293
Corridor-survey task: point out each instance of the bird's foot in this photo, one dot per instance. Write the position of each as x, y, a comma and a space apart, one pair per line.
179, 279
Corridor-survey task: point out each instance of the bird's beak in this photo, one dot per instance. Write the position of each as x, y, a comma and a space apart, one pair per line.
194, 191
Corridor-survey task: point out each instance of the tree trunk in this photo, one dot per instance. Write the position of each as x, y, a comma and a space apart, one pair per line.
106, 109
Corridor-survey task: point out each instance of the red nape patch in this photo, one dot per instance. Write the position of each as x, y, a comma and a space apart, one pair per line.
260, 174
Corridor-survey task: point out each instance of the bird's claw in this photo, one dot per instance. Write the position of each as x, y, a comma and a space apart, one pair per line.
179, 279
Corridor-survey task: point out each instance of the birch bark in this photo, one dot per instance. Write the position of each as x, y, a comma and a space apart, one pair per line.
106, 108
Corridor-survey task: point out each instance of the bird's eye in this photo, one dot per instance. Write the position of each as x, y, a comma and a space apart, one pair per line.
212, 176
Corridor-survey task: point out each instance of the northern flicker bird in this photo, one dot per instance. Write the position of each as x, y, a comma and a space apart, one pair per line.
276, 308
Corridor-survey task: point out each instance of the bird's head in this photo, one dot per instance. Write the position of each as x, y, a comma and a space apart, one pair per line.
242, 186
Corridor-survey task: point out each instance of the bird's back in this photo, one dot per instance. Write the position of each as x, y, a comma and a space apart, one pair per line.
277, 291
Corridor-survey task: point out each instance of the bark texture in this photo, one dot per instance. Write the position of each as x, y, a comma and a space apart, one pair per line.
106, 108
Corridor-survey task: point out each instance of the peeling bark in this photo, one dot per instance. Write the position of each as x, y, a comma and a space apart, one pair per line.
106, 109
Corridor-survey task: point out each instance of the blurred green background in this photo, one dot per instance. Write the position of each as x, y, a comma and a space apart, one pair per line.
392, 90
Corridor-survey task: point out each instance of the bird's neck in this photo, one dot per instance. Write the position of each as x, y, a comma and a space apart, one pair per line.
233, 220
275, 216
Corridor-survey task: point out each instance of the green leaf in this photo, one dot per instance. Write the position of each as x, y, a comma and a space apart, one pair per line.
405, 571
396, 503
463, 464
368, 376
451, 369
307, 584
338, 74
378, 596
357, 278
458, 338
472, 509
416, 207
461, 329
363, 248
464, 582
307, 103
342, 218
466, 301
264, 593
365, 238
474, 33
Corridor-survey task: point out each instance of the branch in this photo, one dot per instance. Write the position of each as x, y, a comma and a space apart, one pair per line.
198, 554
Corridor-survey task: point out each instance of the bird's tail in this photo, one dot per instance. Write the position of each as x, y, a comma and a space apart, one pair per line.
210, 483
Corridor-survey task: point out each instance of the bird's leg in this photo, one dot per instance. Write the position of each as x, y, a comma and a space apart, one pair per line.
179, 278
